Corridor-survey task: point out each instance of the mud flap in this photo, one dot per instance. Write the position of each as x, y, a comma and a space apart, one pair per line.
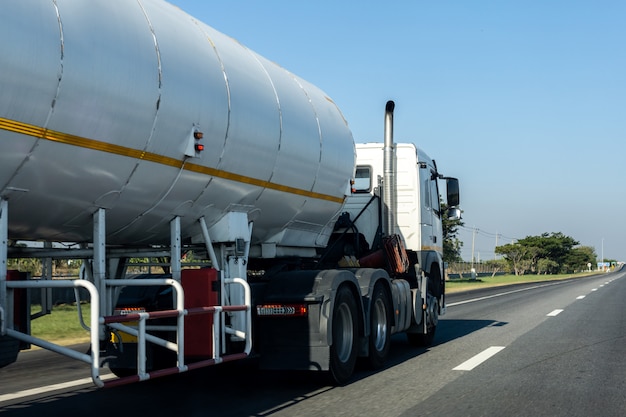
9, 348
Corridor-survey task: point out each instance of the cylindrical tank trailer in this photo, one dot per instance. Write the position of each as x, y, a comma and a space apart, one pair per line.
138, 108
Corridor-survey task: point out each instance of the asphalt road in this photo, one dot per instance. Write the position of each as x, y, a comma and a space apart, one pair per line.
553, 349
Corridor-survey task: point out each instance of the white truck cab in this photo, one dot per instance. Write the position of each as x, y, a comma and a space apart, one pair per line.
417, 217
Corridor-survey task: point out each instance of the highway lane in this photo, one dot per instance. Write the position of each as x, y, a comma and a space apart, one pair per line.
542, 362
572, 363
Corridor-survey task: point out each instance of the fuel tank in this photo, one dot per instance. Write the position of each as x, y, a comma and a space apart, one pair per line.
138, 108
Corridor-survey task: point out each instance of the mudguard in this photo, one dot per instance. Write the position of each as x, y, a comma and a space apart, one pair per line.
316, 287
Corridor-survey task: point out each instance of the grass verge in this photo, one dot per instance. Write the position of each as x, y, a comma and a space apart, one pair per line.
63, 325
459, 285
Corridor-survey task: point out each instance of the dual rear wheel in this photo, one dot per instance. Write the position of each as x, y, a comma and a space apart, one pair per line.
345, 333
343, 350
380, 327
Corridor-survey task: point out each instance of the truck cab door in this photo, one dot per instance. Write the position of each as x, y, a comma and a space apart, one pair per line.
430, 210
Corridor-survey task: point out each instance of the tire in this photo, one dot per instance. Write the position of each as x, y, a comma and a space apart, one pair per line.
343, 351
425, 340
123, 372
380, 328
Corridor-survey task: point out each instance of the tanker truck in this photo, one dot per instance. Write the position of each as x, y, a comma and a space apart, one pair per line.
132, 131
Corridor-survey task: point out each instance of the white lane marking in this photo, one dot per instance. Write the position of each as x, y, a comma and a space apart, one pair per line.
508, 292
49, 388
503, 293
595, 289
472, 363
580, 297
555, 312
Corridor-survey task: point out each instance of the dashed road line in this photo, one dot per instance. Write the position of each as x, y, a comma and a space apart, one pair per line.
554, 313
473, 362
472, 300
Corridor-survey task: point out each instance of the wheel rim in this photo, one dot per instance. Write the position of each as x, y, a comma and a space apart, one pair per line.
433, 308
380, 325
344, 334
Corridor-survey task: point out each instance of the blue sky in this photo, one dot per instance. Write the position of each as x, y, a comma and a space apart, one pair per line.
523, 101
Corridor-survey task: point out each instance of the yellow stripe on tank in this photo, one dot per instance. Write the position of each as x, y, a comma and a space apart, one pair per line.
67, 139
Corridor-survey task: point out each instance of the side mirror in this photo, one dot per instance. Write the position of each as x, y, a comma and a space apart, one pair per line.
454, 213
452, 186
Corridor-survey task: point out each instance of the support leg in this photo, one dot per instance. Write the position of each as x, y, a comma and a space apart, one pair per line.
175, 248
99, 263
4, 238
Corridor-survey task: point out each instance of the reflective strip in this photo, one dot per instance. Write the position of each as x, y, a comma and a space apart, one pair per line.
67, 139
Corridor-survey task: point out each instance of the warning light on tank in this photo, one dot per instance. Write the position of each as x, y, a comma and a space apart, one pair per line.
198, 147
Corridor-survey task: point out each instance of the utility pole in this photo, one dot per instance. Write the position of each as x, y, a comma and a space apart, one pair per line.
602, 260
495, 255
473, 239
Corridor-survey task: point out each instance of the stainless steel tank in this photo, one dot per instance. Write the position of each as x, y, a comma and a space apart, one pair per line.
99, 104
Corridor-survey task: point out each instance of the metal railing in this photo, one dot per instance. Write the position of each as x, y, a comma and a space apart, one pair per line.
97, 325
94, 357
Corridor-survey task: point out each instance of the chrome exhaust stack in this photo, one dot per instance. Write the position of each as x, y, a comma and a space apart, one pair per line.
389, 180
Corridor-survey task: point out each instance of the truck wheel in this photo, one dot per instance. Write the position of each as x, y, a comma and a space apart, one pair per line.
380, 328
123, 372
431, 315
343, 351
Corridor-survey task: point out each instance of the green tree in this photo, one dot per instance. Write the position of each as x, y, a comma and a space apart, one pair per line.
553, 246
497, 265
451, 243
515, 254
546, 253
547, 266
579, 257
